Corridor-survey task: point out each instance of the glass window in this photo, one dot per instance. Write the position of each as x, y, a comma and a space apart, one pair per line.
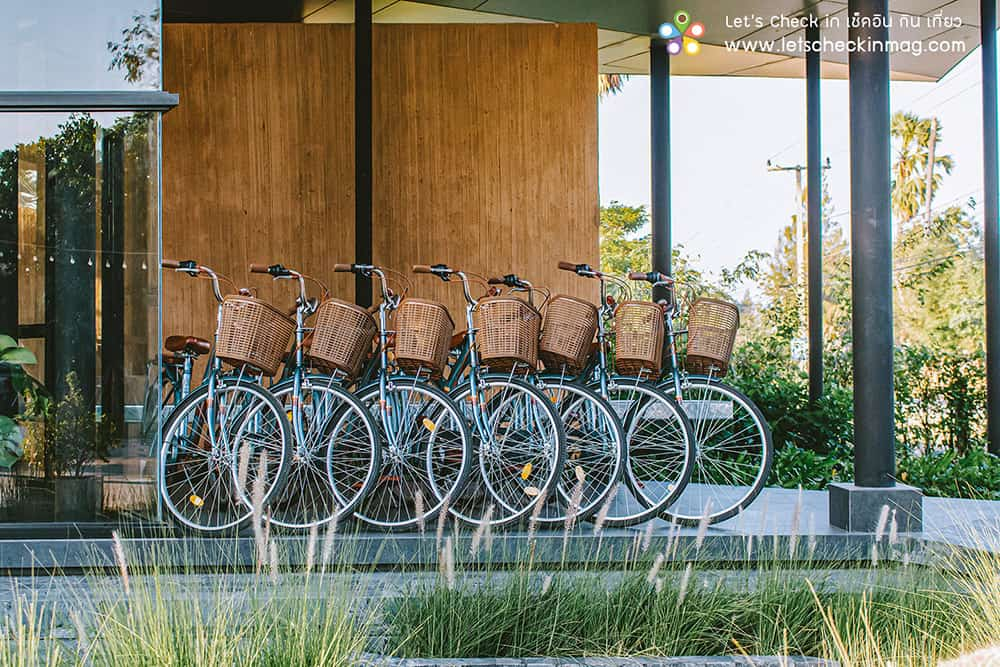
79, 209
80, 45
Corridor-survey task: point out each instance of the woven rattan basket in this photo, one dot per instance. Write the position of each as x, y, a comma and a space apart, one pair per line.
712, 326
638, 338
423, 333
508, 333
569, 329
253, 333
343, 336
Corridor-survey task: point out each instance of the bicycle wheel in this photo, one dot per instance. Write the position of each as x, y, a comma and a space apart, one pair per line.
595, 451
660, 444
213, 453
733, 453
334, 458
426, 454
520, 445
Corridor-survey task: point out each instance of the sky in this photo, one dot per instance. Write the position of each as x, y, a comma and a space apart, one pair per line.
724, 130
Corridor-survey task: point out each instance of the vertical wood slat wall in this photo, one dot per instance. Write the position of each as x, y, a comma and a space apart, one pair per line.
485, 154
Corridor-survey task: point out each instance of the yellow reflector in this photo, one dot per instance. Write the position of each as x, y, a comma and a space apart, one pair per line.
428, 424
526, 471
531, 491
196, 500
553, 398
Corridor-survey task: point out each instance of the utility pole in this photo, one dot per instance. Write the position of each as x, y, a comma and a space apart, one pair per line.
799, 223
930, 169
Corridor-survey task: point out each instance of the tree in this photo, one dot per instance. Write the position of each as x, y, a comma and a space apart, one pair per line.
912, 138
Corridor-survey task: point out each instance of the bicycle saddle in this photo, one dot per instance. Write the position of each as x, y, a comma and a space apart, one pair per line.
187, 344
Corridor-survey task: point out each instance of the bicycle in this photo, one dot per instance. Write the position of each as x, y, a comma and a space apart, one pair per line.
733, 447
225, 446
518, 435
426, 444
595, 440
659, 437
336, 455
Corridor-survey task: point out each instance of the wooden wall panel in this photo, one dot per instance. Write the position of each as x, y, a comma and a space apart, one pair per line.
258, 159
485, 140
486, 151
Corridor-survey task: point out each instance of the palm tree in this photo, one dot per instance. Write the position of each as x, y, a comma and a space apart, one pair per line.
912, 136
610, 84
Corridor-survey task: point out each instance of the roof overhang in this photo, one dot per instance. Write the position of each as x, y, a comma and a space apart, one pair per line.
626, 26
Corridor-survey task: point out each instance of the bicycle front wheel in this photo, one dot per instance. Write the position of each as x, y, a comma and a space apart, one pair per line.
335, 456
660, 445
426, 454
595, 452
733, 453
219, 457
520, 445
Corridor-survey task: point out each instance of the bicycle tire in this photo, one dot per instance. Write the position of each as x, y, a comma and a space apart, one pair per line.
585, 416
470, 508
699, 492
310, 497
225, 468
640, 406
450, 438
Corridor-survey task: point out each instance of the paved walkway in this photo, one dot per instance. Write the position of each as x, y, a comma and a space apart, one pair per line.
782, 522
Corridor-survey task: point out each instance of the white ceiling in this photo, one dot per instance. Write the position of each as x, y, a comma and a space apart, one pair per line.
625, 26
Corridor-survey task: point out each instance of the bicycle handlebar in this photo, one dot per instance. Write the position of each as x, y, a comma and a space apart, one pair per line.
567, 266
343, 268
651, 277
170, 264
258, 268
584, 270
422, 268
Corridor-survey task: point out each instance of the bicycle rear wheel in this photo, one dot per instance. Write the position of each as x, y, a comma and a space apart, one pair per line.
520, 446
595, 451
733, 453
216, 456
660, 445
426, 454
334, 460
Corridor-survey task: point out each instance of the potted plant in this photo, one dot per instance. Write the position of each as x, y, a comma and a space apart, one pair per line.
63, 437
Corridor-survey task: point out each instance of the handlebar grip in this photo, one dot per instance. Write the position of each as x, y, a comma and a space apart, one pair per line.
637, 275
259, 268
170, 264
422, 268
496, 281
567, 266
343, 268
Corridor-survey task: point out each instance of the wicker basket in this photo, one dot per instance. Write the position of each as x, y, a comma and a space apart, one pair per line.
253, 333
423, 333
638, 338
712, 326
569, 329
508, 333
343, 336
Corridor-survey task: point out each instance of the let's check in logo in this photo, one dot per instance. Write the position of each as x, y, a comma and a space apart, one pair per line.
682, 34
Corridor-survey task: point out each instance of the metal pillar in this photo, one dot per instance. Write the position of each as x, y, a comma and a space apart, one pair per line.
659, 117
113, 280
991, 226
363, 145
814, 170
871, 248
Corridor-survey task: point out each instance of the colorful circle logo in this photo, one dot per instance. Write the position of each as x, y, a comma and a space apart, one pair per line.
683, 34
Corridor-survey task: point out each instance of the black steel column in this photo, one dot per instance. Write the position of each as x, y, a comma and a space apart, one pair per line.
814, 189
991, 226
70, 226
363, 145
871, 246
659, 138
113, 280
